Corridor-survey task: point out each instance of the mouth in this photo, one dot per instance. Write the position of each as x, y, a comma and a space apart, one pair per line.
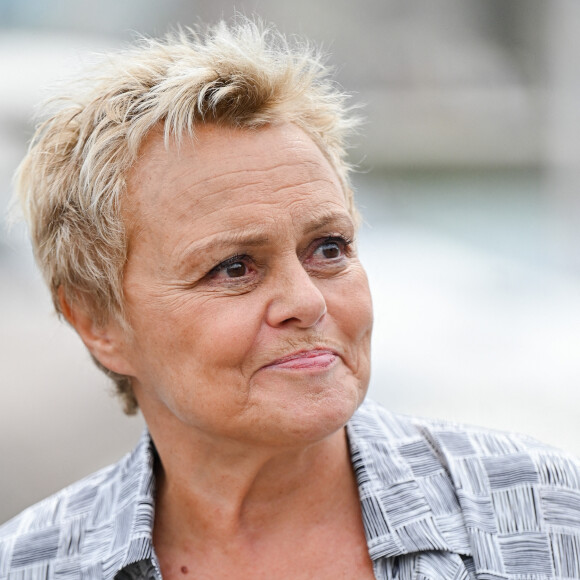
314, 359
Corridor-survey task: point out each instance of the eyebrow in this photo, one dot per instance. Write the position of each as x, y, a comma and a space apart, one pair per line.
247, 239
329, 218
255, 236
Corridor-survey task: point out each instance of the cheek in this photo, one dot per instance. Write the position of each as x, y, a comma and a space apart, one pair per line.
351, 305
352, 311
223, 332
193, 338
197, 364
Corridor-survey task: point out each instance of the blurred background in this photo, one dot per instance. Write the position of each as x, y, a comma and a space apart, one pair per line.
469, 174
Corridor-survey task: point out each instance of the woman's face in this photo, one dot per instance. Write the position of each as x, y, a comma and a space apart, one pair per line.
250, 310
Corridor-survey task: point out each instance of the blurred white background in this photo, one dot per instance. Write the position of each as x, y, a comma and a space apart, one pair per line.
470, 166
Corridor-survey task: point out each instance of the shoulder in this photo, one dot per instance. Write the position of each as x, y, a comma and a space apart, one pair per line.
77, 499
74, 523
35, 534
495, 460
500, 459
519, 499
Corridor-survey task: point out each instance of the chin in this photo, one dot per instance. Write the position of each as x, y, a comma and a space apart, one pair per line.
318, 415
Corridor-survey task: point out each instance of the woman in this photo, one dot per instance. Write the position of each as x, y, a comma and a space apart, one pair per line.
193, 218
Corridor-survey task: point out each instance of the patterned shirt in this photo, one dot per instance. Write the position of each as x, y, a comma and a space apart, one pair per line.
438, 501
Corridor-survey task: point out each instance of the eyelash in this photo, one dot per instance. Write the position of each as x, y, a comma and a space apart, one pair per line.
344, 241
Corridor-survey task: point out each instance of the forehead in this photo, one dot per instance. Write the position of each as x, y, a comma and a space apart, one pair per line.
225, 169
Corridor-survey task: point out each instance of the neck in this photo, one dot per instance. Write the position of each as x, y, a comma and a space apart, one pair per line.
208, 490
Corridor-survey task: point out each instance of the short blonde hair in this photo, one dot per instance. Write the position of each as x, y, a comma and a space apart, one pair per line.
72, 180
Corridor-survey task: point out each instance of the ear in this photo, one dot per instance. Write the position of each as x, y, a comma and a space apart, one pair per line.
106, 342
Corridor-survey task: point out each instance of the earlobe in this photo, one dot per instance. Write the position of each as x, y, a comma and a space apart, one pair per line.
106, 342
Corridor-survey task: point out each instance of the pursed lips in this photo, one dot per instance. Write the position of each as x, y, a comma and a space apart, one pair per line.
317, 358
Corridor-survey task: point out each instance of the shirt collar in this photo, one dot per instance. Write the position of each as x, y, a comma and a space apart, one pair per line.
407, 499
119, 529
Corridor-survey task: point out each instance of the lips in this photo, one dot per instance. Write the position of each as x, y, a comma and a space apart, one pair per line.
305, 359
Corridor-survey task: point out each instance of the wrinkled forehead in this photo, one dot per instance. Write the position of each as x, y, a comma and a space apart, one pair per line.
219, 163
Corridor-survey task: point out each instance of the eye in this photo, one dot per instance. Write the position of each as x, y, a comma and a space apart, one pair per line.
232, 268
329, 250
235, 270
332, 248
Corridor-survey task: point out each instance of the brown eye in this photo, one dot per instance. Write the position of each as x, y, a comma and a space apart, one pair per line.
236, 270
232, 268
330, 250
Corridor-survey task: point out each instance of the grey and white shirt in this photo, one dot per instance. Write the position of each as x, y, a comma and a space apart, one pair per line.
438, 501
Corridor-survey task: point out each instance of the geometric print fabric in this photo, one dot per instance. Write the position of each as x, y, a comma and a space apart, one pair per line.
438, 501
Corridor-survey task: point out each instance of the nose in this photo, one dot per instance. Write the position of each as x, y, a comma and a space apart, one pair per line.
296, 299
